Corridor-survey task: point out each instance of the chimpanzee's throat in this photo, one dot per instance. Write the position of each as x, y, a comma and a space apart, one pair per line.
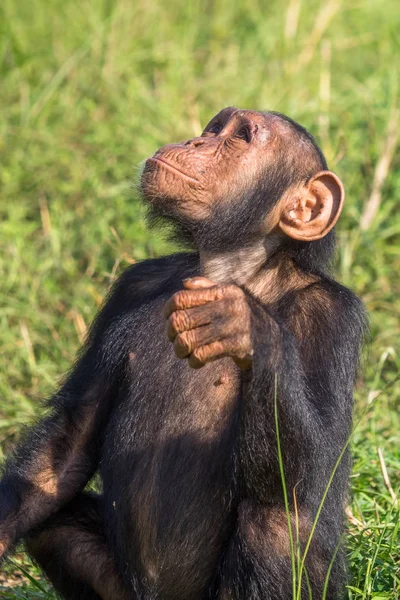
240, 266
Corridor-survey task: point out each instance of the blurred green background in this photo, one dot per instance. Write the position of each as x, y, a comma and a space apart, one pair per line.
89, 89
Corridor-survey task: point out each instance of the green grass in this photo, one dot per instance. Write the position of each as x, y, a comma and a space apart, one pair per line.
89, 89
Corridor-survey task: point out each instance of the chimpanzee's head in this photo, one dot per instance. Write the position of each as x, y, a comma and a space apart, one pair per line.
250, 175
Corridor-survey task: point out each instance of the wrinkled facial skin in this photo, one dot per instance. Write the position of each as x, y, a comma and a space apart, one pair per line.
222, 184
233, 150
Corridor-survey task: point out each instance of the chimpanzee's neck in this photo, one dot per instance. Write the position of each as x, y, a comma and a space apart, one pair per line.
263, 269
240, 266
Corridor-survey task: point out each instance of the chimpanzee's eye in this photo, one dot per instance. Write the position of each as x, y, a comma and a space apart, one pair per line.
214, 129
244, 133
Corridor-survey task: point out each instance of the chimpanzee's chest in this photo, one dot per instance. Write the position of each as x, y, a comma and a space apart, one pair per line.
169, 453
163, 397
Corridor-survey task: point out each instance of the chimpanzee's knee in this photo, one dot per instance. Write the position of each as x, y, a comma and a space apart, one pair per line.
56, 545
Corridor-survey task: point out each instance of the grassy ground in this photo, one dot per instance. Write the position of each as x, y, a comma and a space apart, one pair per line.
89, 89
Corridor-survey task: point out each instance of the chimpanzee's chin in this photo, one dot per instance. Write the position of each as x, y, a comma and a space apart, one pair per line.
173, 228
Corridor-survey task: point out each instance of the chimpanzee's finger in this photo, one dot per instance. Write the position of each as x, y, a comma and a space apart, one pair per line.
184, 320
195, 283
208, 353
190, 298
187, 342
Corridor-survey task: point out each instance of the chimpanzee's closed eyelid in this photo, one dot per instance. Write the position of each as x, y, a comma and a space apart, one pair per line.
215, 129
245, 133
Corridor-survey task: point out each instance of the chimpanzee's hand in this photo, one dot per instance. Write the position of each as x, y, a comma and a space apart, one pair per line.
208, 321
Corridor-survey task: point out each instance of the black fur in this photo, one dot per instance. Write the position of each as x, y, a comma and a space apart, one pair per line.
192, 504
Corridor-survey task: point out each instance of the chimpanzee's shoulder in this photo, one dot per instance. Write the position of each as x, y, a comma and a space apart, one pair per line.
343, 295
324, 296
160, 269
345, 308
149, 278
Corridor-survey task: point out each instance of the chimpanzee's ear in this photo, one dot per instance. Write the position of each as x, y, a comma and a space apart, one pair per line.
311, 211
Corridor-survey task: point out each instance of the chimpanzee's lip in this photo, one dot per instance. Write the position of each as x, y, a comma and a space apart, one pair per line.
167, 165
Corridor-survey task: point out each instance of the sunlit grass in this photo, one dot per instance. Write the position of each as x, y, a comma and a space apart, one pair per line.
88, 89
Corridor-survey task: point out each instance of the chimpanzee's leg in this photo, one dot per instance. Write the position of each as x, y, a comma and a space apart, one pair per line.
72, 551
258, 565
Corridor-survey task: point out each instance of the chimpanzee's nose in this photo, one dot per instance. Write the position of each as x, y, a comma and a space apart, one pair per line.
195, 142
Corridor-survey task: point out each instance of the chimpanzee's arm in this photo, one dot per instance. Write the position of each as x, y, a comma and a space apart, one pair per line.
308, 347
58, 456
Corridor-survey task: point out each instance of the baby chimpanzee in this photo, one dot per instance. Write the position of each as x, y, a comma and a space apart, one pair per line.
181, 424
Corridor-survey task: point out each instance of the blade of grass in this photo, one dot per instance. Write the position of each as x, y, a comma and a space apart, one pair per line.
284, 488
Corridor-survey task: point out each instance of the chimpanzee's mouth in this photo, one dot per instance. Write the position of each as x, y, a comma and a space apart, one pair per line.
173, 168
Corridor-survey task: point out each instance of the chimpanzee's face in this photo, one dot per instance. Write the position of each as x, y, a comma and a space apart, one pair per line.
249, 175
235, 150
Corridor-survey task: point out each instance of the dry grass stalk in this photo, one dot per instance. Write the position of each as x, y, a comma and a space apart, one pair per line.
386, 478
352, 519
79, 324
45, 217
28, 344
381, 171
324, 17
325, 89
292, 19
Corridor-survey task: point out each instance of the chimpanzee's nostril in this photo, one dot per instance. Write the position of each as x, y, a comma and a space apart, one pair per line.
195, 142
